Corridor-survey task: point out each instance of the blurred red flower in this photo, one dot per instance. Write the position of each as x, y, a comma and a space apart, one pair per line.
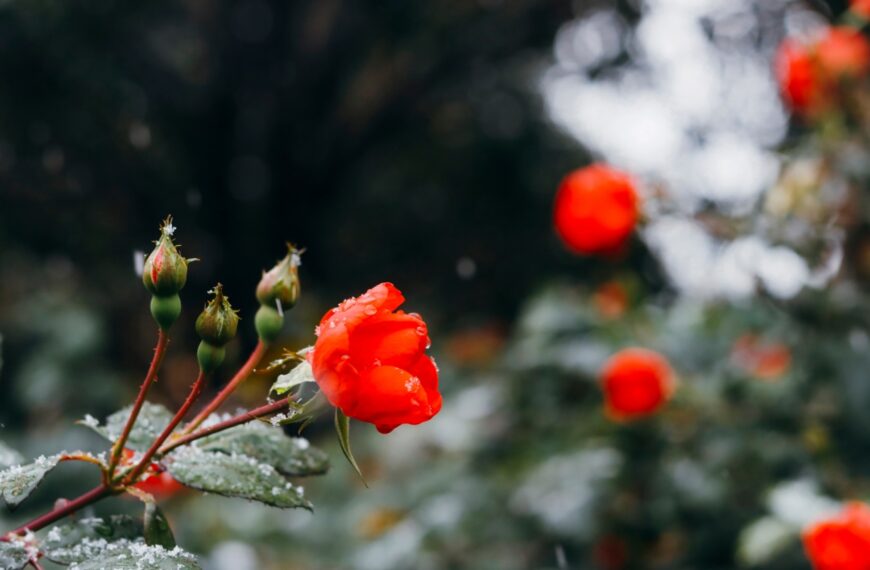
841, 542
370, 361
596, 210
636, 383
161, 485
611, 299
767, 360
809, 73
157, 481
861, 8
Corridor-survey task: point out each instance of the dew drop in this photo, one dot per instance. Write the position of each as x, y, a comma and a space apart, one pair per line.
421, 331
370, 310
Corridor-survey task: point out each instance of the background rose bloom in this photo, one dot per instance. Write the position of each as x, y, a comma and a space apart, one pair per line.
808, 73
370, 361
636, 383
841, 542
596, 210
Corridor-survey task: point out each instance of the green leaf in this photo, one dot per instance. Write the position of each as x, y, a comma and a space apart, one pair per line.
153, 418
127, 555
291, 456
300, 374
88, 538
342, 428
235, 475
9, 457
13, 555
19, 481
157, 529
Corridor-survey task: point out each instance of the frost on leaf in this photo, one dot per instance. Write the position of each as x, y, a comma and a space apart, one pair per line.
9, 457
151, 421
290, 456
127, 555
13, 555
235, 475
300, 374
87, 538
18, 481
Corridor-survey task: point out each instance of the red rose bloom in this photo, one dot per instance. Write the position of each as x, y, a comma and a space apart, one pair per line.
797, 76
596, 210
636, 383
841, 542
370, 361
809, 74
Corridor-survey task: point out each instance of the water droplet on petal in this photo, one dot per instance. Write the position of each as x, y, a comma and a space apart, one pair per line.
370, 310
421, 331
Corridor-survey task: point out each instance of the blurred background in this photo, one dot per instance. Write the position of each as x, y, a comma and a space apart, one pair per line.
422, 143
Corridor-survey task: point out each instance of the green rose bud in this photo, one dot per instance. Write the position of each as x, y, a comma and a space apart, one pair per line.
165, 310
218, 322
280, 285
268, 322
209, 357
165, 270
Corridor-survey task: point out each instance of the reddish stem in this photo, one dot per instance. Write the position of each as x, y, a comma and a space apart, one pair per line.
43, 521
226, 424
242, 375
179, 415
150, 377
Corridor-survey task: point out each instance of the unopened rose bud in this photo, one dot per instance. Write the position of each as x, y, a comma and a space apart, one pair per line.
268, 322
209, 357
279, 287
165, 310
165, 270
218, 322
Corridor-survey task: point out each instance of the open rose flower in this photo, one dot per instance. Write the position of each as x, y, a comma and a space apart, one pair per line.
636, 383
596, 210
370, 361
841, 542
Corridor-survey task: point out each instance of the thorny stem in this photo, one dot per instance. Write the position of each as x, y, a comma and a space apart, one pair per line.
242, 375
68, 508
105, 490
243, 418
150, 377
179, 415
